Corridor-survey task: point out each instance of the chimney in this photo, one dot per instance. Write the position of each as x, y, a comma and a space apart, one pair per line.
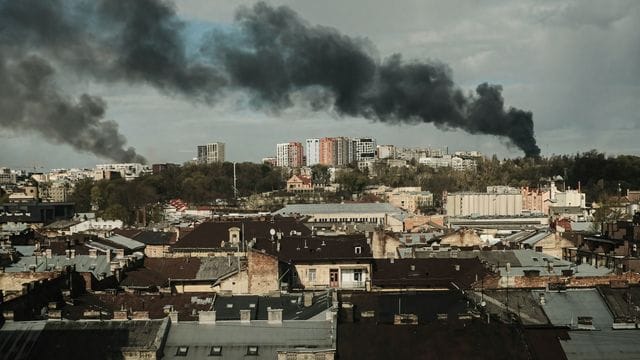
120, 315
204, 317
73, 253
48, 254
119, 253
108, 253
93, 253
173, 316
308, 299
542, 299
245, 316
274, 316
457, 267
67, 253
140, 315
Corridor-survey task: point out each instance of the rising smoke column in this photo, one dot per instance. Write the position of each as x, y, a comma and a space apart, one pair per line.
273, 55
30, 102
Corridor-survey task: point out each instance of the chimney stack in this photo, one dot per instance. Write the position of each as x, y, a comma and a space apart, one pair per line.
48, 254
245, 316
204, 317
93, 253
274, 316
73, 253
173, 316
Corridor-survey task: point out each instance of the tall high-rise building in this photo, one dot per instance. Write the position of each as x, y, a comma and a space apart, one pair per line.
313, 152
363, 149
211, 153
289, 154
342, 150
327, 151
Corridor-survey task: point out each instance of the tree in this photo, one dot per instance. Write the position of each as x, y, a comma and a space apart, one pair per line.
320, 174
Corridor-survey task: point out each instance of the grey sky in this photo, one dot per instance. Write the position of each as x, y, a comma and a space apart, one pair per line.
574, 64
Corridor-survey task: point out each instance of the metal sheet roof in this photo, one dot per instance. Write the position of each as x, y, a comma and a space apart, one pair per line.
234, 337
126, 242
83, 263
365, 208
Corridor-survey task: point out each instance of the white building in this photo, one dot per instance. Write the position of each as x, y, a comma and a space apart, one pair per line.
211, 153
386, 152
313, 152
497, 201
454, 162
128, 171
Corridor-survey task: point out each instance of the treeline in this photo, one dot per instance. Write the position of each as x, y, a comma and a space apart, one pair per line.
195, 184
599, 176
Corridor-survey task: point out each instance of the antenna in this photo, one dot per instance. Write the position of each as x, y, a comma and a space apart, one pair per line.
235, 182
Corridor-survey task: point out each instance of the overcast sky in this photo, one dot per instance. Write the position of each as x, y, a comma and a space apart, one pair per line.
574, 64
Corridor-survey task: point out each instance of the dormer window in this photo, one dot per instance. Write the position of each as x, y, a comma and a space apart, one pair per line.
234, 235
358, 249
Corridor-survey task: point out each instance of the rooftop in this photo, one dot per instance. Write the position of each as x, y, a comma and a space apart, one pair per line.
78, 339
365, 208
212, 234
234, 338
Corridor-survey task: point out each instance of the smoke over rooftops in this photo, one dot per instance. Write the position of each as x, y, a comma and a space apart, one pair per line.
271, 54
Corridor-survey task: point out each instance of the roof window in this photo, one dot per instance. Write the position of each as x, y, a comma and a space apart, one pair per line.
216, 351
182, 351
252, 350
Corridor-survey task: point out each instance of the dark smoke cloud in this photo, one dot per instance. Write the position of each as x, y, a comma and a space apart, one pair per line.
274, 56
30, 102
276, 53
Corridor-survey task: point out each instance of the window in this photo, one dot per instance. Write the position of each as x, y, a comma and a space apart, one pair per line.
311, 275
182, 351
252, 350
216, 351
357, 275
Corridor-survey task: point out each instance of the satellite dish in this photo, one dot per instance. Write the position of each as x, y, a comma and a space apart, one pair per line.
272, 232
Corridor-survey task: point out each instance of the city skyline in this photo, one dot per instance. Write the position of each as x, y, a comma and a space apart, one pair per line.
546, 56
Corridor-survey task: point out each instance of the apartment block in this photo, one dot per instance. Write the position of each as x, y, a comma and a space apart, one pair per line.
312, 151
289, 154
211, 153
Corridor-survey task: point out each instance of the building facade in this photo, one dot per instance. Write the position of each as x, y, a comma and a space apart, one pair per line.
289, 154
313, 151
211, 153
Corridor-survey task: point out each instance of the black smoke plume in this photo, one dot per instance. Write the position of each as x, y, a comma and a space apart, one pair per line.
272, 55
